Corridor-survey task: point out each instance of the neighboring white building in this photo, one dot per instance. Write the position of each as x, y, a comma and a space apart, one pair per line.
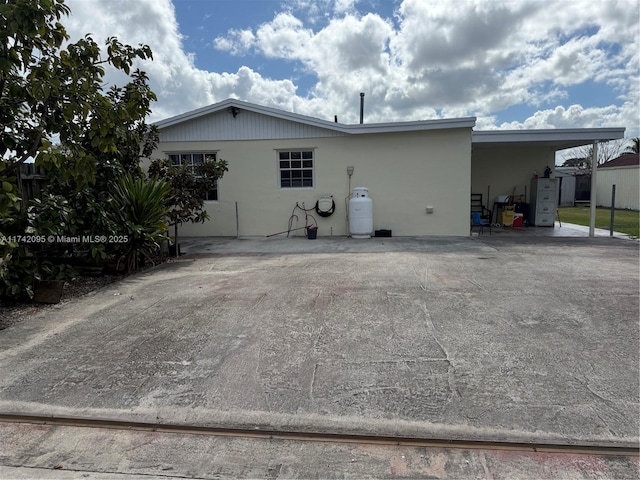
624, 173
567, 185
574, 186
419, 174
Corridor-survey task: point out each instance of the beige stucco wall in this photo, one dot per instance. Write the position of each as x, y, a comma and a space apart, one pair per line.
501, 169
627, 182
404, 172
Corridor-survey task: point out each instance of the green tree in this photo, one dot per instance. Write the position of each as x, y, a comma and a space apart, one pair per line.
90, 202
580, 163
51, 91
47, 90
141, 207
188, 189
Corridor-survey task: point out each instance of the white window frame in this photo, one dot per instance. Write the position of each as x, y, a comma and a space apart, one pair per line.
293, 167
181, 157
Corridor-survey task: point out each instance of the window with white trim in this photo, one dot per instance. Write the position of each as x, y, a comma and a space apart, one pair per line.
191, 160
295, 168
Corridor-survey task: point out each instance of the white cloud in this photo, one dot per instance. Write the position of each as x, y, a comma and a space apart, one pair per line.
561, 117
343, 6
472, 57
180, 86
237, 42
284, 37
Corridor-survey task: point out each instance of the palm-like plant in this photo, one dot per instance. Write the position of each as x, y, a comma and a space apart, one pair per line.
634, 147
140, 208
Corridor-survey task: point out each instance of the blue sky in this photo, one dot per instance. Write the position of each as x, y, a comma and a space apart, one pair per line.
202, 21
512, 64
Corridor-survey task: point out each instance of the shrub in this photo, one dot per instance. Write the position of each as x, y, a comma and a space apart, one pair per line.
140, 208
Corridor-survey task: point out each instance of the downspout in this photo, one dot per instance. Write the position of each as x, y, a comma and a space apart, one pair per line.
592, 201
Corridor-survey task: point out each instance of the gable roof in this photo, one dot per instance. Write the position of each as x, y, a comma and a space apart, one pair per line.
626, 160
235, 107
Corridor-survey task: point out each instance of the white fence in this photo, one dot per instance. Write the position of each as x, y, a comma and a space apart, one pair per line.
627, 182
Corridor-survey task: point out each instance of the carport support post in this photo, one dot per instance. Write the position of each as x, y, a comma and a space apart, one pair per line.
592, 201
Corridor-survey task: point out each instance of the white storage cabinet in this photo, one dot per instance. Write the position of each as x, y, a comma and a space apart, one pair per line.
543, 201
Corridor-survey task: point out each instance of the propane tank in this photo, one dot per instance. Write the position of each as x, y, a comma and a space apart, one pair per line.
360, 213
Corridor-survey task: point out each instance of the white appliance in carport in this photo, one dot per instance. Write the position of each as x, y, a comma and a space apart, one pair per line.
543, 202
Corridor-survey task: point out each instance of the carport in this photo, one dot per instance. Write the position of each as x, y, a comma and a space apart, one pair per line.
504, 161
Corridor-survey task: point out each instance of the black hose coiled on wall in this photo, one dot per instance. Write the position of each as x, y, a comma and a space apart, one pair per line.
326, 213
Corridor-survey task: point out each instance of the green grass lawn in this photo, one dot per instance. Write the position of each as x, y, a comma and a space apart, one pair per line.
624, 221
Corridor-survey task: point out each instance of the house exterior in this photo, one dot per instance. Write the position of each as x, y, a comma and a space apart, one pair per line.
624, 173
419, 174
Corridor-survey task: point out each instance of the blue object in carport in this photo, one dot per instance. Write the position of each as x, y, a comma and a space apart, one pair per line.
477, 221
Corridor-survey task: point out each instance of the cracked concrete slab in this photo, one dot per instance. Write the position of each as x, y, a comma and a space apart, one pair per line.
456, 338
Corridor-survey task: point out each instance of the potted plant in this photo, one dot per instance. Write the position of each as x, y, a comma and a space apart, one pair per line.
49, 281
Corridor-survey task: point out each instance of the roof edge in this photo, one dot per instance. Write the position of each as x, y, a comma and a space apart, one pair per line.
364, 128
625, 160
360, 128
548, 134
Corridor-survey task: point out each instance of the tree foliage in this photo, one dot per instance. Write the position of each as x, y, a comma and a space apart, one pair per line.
141, 208
634, 146
52, 90
47, 90
188, 188
581, 157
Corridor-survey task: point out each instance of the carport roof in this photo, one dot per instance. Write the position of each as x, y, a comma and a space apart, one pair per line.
557, 139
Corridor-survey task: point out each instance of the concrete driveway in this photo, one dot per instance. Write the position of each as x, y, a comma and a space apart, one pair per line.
530, 339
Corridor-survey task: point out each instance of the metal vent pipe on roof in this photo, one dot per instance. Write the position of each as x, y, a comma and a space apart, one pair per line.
361, 107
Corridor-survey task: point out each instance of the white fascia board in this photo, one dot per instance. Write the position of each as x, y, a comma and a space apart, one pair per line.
354, 129
193, 114
231, 103
548, 135
440, 124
